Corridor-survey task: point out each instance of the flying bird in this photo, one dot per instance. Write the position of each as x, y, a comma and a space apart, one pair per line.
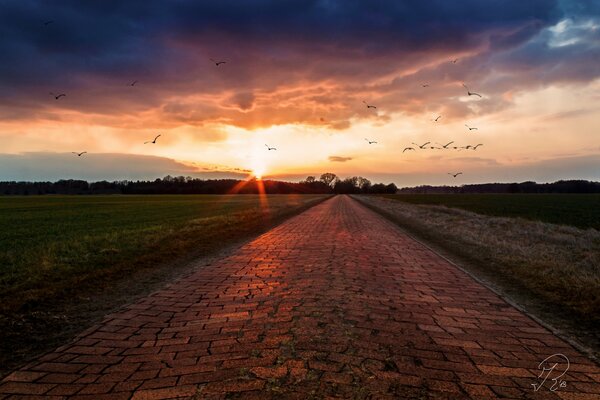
217, 63
471, 129
456, 174
153, 141
446, 146
471, 93
421, 146
46, 23
437, 119
270, 148
475, 147
368, 105
57, 96
425, 85
370, 141
79, 154
454, 61
133, 83
408, 148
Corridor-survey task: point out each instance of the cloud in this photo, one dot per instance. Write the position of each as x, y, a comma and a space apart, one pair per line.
92, 167
317, 58
339, 159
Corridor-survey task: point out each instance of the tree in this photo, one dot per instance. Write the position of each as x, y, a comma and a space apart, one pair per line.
329, 179
364, 184
391, 188
310, 179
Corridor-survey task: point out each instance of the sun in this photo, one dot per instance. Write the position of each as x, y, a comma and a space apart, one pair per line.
258, 173
258, 170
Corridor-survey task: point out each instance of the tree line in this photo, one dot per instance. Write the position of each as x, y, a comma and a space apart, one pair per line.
327, 183
563, 186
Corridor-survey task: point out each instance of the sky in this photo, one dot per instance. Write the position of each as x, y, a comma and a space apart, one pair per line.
297, 76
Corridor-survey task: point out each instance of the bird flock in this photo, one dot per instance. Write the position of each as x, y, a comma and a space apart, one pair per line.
447, 146
424, 146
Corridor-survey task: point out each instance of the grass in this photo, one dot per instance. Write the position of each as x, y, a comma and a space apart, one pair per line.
52, 245
554, 266
579, 210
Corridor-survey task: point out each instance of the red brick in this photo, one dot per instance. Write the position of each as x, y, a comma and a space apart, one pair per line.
165, 393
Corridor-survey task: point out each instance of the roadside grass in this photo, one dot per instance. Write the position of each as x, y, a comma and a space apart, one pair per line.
579, 210
52, 245
558, 265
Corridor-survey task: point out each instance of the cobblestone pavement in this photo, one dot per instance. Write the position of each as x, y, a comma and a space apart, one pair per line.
333, 303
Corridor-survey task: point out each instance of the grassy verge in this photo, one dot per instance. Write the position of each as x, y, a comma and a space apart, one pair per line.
553, 268
579, 210
63, 256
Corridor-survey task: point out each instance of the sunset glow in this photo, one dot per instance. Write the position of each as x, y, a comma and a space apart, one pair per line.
535, 65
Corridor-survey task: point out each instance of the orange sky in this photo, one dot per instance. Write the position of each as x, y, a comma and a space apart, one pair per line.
537, 117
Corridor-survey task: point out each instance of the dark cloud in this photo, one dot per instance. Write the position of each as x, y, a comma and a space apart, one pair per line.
287, 62
339, 159
53, 166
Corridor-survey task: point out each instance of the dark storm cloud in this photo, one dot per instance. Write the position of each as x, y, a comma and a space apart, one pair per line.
45, 166
94, 48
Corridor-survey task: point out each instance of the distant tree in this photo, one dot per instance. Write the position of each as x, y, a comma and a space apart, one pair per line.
391, 188
329, 179
364, 184
310, 179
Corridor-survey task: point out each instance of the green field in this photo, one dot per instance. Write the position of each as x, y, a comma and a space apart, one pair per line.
53, 246
579, 210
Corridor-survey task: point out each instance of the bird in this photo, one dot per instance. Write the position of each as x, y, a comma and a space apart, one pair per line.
153, 141
368, 105
425, 85
57, 96
456, 174
79, 154
471, 93
475, 147
421, 146
217, 63
435, 148
471, 129
408, 148
446, 146
437, 119
46, 23
454, 61
370, 141
322, 119
270, 148
133, 83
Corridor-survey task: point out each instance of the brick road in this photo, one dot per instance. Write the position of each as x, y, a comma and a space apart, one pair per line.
334, 303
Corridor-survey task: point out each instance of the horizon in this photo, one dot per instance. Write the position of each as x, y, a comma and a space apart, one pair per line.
304, 87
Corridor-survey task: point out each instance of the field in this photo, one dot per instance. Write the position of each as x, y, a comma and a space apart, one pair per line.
55, 251
580, 210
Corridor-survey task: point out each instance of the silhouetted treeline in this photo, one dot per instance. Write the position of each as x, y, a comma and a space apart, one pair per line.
327, 183
570, 186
